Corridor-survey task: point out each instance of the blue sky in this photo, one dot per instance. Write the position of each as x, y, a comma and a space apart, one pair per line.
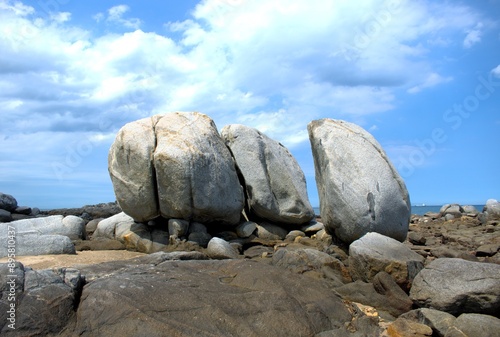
422, 76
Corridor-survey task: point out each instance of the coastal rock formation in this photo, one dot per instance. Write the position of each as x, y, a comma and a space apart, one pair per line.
274, 182
177, 166
359, 189
374, 253
458, 286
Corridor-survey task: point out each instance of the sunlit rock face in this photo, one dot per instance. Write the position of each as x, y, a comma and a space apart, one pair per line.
359, 189
175, 165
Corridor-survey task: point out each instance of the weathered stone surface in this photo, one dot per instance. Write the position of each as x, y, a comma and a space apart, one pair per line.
195, 171
8, 202
475, 325
374, 253
275, 184
209, 298
46, 300
454, 210
405, 328
267, 231
245, 229
135, 236
70, 226
178, 227
221, 249
175, 165
359, 189
458, 286
38, 244
132, 171
492, 210
5, 216
438, 321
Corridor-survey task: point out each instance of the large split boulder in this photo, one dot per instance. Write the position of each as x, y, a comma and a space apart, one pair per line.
359, 189
274, 182
458, 286
175, 165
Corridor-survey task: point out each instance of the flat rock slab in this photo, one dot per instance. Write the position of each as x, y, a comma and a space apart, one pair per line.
208, 298
458, 286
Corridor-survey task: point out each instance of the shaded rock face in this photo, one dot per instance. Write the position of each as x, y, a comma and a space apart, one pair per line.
45, 300
8, 202
359, 189
177, 166
274, 182
458, 286
208, 298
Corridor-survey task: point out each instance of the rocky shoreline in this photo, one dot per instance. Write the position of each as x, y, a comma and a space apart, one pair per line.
231, 245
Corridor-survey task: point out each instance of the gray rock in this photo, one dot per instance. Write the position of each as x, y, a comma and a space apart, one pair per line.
469, 209
245, 229
360, 191
106, 228
275, 184
438, 321
492, 210
5, 216
475, 325
221, 249
135, 236
200, 238
37, 244
8, 202
91, 226
451, 209
70, 226
313, 227
375, 252
267, 231
292, 235
196, 227
132, 171
23, 210
178, 227
195, 172
46, 301
209, 298
458, 286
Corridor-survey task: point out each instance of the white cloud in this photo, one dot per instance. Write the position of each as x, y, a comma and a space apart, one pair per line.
473, 36
432, 80
496, 71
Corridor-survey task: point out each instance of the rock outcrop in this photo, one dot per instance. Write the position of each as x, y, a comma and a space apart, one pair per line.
458, 286
177, 166
274, 182
359, 189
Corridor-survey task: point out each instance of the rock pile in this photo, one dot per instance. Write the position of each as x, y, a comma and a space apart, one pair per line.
9, 210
